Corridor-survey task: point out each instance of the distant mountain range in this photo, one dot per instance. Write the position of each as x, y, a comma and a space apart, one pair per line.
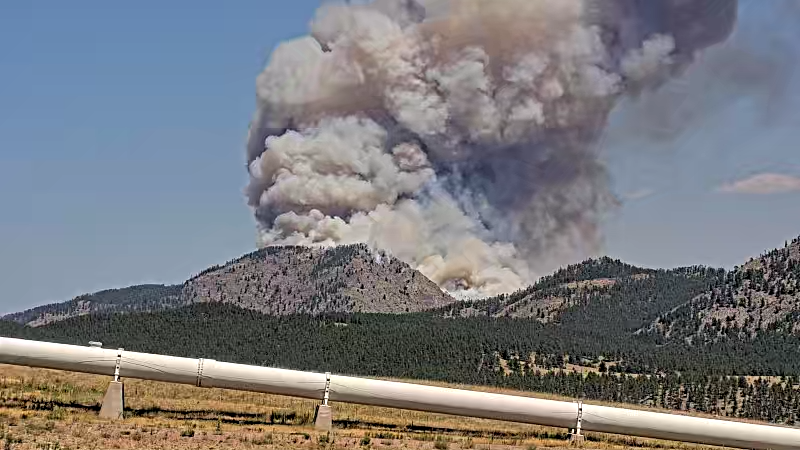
683, 335
275, 281
762, 295
146, 297
602, 310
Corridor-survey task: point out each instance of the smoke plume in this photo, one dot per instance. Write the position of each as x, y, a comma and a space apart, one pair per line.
459, 135
756, 65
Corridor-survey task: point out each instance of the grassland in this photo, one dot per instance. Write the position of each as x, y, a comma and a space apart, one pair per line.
46, 409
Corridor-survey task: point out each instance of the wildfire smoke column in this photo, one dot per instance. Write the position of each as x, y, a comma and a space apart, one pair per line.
459, 135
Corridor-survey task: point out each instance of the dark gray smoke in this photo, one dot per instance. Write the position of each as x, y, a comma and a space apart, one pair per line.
459, 135
755, 65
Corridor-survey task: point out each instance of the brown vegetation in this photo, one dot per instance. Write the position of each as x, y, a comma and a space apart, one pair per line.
44, 409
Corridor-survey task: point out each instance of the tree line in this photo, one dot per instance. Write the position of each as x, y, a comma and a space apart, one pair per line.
469, 350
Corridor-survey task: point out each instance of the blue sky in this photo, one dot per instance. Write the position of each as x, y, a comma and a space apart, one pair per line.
121, 150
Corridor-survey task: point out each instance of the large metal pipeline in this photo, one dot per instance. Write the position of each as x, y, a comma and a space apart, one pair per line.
209, 373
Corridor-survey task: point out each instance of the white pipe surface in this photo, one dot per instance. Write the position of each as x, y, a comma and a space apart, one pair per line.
209, 373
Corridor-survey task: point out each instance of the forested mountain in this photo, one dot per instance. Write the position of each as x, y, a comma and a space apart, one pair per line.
148, 297
274, 280
693, 303
602, 298
593, 290
296, 280
415, 345
689, 339
761, 296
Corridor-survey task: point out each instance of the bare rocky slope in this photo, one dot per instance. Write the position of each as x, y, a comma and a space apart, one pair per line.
275, 280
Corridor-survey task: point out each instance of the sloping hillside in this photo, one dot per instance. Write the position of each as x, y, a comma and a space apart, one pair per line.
762, 295
147, 297
603, 296
576, 286
605, 313
291, 280
274, 280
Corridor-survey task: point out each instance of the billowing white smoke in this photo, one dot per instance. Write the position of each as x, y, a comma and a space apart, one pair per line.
456, 134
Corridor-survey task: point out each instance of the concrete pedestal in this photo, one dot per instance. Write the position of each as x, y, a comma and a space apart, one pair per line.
577, 440
323, 419
113, 402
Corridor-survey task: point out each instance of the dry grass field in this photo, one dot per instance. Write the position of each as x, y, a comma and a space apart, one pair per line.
46, 409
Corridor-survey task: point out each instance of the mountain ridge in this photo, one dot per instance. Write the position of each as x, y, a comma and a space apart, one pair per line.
292, 280
144, 297
275, 280
761, 295
597, 341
